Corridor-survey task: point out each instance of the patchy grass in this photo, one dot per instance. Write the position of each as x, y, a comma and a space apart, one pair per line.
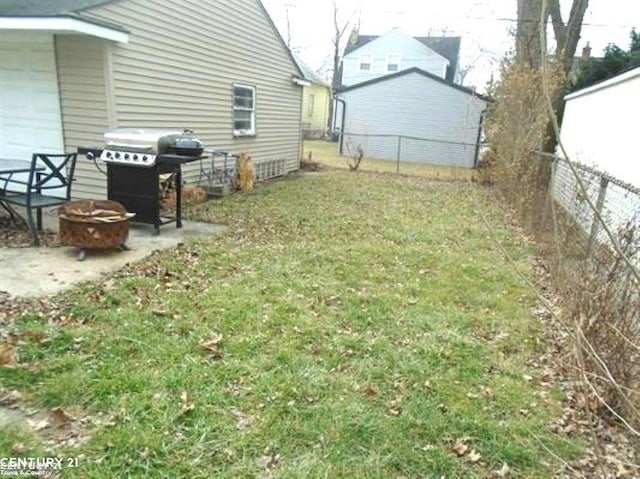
326, 153
356, 326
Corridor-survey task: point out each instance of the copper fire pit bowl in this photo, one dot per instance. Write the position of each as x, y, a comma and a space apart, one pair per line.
93, 224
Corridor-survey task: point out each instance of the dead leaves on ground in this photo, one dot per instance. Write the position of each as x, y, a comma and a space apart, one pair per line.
186, 405
213, 345
461, 449
8, 356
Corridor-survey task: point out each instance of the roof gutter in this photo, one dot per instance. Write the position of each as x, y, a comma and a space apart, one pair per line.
301, 81
344, 112
63, 25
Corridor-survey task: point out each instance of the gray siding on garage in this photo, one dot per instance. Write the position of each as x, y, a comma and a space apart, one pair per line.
180, 65
83, 102
413, 105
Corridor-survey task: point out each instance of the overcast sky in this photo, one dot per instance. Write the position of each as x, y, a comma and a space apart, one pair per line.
484, 26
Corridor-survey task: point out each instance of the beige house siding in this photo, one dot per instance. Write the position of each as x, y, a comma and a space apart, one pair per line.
83, 104
181, 62
314, 118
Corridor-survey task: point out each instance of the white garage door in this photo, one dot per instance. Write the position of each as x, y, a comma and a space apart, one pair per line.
29, 101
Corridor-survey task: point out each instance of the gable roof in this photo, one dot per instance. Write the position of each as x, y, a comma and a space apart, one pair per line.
73, 8
308, 73
419, 71
448, 47
58, 9
46, 8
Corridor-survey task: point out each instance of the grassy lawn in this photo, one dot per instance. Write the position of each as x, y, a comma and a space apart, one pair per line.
354, 325
326, 153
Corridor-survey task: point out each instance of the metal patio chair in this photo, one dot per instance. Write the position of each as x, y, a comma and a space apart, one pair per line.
48, 184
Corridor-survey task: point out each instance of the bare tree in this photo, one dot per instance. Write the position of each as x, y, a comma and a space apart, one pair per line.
529, 45
339, 30
567, 34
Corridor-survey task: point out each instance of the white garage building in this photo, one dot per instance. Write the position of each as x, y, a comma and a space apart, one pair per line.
413, 116
600, 126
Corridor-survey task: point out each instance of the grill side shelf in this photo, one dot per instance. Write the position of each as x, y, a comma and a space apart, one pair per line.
179, 159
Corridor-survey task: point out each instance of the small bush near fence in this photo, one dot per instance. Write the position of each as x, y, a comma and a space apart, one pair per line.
587, 226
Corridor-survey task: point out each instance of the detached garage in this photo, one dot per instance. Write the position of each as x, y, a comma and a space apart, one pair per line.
412, 116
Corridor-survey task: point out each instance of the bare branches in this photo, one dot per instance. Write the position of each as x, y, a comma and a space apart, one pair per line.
559, 28
339, 31
530, 30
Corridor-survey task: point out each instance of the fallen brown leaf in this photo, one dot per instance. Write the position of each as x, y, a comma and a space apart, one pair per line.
460, 448
18, 448
59, 417
370, 390
39, 425
212, 345
8, 356
504, 471
265, 462
242, 420
8, 398
474, 456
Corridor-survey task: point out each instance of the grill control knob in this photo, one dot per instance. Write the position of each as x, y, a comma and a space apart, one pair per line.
126, 156
144, 158
109, 154
135, 157
117, 155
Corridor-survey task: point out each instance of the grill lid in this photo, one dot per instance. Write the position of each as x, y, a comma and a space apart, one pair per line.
151, 140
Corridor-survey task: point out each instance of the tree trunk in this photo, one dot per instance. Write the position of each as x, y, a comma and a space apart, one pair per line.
530, 45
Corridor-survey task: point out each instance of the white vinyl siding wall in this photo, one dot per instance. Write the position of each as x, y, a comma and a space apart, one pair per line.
600, 126
83, 101
413, 105
180, 65
408, 51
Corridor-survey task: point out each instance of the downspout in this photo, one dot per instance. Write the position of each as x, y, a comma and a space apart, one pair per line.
344, 111
476, 159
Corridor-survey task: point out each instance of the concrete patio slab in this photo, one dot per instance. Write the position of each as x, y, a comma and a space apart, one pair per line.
30, 272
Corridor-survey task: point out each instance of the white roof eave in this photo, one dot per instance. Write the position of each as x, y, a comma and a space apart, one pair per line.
62, 25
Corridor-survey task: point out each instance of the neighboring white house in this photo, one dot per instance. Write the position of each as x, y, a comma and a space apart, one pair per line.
600, 126
414, 115
367, 56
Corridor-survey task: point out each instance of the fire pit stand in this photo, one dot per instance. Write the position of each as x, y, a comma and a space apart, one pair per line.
93, 224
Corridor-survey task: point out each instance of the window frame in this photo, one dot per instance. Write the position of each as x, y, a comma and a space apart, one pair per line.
399, 62
362, 62
244, 132
311, 105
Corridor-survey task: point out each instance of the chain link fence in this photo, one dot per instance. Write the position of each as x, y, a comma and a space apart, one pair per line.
604, 202
410, 149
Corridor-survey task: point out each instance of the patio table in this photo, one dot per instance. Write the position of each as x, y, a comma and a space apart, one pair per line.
8, 166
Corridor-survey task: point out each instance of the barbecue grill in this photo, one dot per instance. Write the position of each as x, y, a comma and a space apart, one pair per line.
135, 159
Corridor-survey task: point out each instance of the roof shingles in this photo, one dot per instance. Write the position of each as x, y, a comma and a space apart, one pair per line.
46, 8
